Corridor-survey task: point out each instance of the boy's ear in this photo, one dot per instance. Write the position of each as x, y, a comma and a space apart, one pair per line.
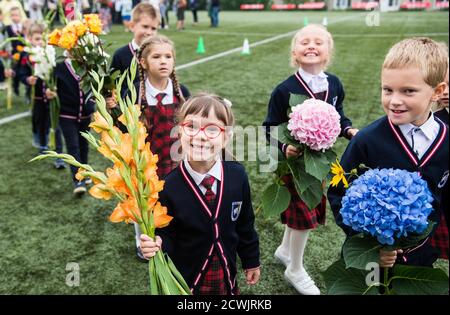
438, 90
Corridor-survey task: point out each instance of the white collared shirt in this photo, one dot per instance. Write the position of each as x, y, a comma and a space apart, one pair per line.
317, 83
423, 135
17, 28
215, 171
134, 45
151, 92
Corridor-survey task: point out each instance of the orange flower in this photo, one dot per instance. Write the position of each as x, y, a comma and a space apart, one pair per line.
125, 149
16, 56
116, 182
78, 176
93, 23
124, 212
162, 219
19, 48
77, 27
53, 38
142, 135
68, 39
100, 191
99, 123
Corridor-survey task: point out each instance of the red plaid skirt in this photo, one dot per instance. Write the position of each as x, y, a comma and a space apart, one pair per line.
213, 282
298, 216
159, 124
439, 240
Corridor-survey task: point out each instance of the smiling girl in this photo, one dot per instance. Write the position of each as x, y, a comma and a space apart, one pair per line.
311, 52
211, 204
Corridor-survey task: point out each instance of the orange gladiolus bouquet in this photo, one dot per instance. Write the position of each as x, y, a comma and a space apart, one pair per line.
132, 179
81, 39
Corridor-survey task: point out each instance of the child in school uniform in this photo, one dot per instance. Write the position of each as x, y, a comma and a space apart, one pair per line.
75, 116
160, 97
311, 51
210, 202
440, 239
40, 112
15, 29
409, 137
144, 23
442, 104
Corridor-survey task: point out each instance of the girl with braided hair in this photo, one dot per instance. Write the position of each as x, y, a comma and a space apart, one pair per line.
160, 96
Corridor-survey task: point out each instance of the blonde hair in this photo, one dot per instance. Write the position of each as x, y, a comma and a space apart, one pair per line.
35, 28
143, 9
329, 39
430, 57
144, 51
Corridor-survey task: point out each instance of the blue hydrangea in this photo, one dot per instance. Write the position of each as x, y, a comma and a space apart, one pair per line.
387, 204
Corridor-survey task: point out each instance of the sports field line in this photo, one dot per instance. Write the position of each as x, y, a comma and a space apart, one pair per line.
12, 118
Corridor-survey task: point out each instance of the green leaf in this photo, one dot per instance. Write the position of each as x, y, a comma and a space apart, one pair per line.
296, 99
419, 280
308, 187
316, 164
275, 200
339, 280
359, 251
412, 239
177, 275
330, 155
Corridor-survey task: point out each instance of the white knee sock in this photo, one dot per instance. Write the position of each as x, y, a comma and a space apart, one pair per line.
284, 246
296, 250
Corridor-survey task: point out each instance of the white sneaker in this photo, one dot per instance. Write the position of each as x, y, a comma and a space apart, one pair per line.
285, 260
302, 283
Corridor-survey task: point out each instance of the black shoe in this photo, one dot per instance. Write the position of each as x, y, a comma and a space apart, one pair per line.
80, 189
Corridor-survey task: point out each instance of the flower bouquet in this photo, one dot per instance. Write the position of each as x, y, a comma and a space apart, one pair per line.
80, 38
43, 61
9, 60
313, 128
132, 179
389, 210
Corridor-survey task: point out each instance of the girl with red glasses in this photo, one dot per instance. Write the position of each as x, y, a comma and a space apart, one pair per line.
210, 201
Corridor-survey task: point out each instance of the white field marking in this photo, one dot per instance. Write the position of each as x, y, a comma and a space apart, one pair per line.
390, 35
200, 61
14, 117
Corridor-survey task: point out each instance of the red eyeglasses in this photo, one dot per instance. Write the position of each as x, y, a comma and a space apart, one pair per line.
211, 131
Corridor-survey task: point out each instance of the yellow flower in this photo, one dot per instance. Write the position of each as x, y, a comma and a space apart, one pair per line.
19, 48
53, 38
68, 39
16, 56
339, 174
77, 27
93, 23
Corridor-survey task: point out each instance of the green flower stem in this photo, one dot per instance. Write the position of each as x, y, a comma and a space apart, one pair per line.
386, 281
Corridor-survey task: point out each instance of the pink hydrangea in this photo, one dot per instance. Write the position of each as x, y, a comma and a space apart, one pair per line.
315, 123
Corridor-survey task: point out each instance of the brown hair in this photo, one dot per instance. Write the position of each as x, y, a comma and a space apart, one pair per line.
201, 104
421, 52
35, 28
144, 51
141, 9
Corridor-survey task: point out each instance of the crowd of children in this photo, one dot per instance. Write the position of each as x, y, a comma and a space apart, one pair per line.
209, 196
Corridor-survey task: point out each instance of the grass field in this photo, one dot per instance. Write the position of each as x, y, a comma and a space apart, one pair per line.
42, 227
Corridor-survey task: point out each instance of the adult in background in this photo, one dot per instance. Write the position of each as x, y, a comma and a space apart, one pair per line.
181, 7
164, 8
215, 9
193, 5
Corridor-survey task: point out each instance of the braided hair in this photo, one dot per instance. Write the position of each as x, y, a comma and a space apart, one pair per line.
143, 52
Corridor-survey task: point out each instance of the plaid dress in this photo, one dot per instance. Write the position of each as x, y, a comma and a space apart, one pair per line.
298, 216
159, 121
439, 240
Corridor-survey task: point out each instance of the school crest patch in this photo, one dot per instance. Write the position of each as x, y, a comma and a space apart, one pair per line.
443, 180
235, 210
334, 101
